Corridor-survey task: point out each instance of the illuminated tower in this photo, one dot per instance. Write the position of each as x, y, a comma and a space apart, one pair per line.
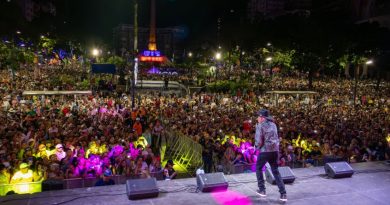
152, 54
152, 36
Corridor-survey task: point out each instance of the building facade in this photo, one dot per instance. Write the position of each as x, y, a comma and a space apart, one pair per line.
32, 8
260, 9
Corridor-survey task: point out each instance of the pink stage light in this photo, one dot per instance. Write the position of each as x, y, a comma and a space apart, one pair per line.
231, 198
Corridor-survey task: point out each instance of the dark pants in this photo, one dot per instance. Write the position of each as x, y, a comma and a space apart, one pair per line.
207, 164
272, 159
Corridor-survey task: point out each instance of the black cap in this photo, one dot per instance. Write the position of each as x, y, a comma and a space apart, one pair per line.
170, 162
263, 113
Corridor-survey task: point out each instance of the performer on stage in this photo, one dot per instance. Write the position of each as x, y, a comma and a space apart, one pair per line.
267, 140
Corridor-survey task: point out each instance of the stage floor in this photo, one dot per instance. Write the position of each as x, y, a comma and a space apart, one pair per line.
369, 185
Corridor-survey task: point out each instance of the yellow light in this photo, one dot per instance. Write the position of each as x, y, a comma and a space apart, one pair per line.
388, 138
95, 52
218, 56
21, 188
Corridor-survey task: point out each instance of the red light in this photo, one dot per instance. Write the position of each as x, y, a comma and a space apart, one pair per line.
151, 59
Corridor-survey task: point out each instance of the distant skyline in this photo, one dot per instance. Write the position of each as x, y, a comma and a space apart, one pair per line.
93, 21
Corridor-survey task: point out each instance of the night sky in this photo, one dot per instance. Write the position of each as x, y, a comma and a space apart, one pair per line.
93, 20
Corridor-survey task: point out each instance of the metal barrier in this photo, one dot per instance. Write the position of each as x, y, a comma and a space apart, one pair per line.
184, 150
241, 168
163, 146
231, 168
118, 179
21, 188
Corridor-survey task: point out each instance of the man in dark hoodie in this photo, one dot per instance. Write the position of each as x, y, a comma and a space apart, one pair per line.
267, 140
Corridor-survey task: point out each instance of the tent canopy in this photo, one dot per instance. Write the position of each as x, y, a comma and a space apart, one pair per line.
103, 68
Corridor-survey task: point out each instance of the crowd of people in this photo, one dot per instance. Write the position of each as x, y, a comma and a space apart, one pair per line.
51, 137
59, 138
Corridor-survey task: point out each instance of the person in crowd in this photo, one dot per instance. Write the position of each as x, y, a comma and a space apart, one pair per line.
5, 176
23, 175
169, 171
39, 172
59, 152
105, 180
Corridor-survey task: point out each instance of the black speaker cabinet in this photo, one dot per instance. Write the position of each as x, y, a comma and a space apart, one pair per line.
338, 169
212, 182
285, 173
141, 188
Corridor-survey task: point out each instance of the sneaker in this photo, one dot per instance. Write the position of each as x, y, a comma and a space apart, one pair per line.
261, 193
283, 197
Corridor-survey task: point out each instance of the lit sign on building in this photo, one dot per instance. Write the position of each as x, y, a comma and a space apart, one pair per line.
151, 56
151, 53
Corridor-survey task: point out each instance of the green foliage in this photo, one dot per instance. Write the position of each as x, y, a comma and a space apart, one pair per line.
283, 59
85, 84
117, 61
228, 86
12, 56
47, 43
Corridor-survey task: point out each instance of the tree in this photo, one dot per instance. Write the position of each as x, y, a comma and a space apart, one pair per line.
283, 59
47, 43
308, 62
118, 61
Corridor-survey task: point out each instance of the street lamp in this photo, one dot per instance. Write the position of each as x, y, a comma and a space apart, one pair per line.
268, 60
190, 54
95, 52
18, 32
218, 56
269, 44
368, 62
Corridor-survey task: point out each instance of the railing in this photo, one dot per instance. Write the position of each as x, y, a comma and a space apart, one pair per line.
240, 168
231, 168
21, 188
34, 187
90, 182
184, 150
161, 84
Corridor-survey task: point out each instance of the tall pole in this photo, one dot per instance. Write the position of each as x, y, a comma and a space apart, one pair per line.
135, 51
152, 36
135, 27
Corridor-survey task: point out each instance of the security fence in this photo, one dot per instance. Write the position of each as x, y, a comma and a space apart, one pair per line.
183, 150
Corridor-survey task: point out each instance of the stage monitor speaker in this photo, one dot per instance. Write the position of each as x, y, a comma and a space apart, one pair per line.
285, 173
212, 182
338, 169
141, 188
